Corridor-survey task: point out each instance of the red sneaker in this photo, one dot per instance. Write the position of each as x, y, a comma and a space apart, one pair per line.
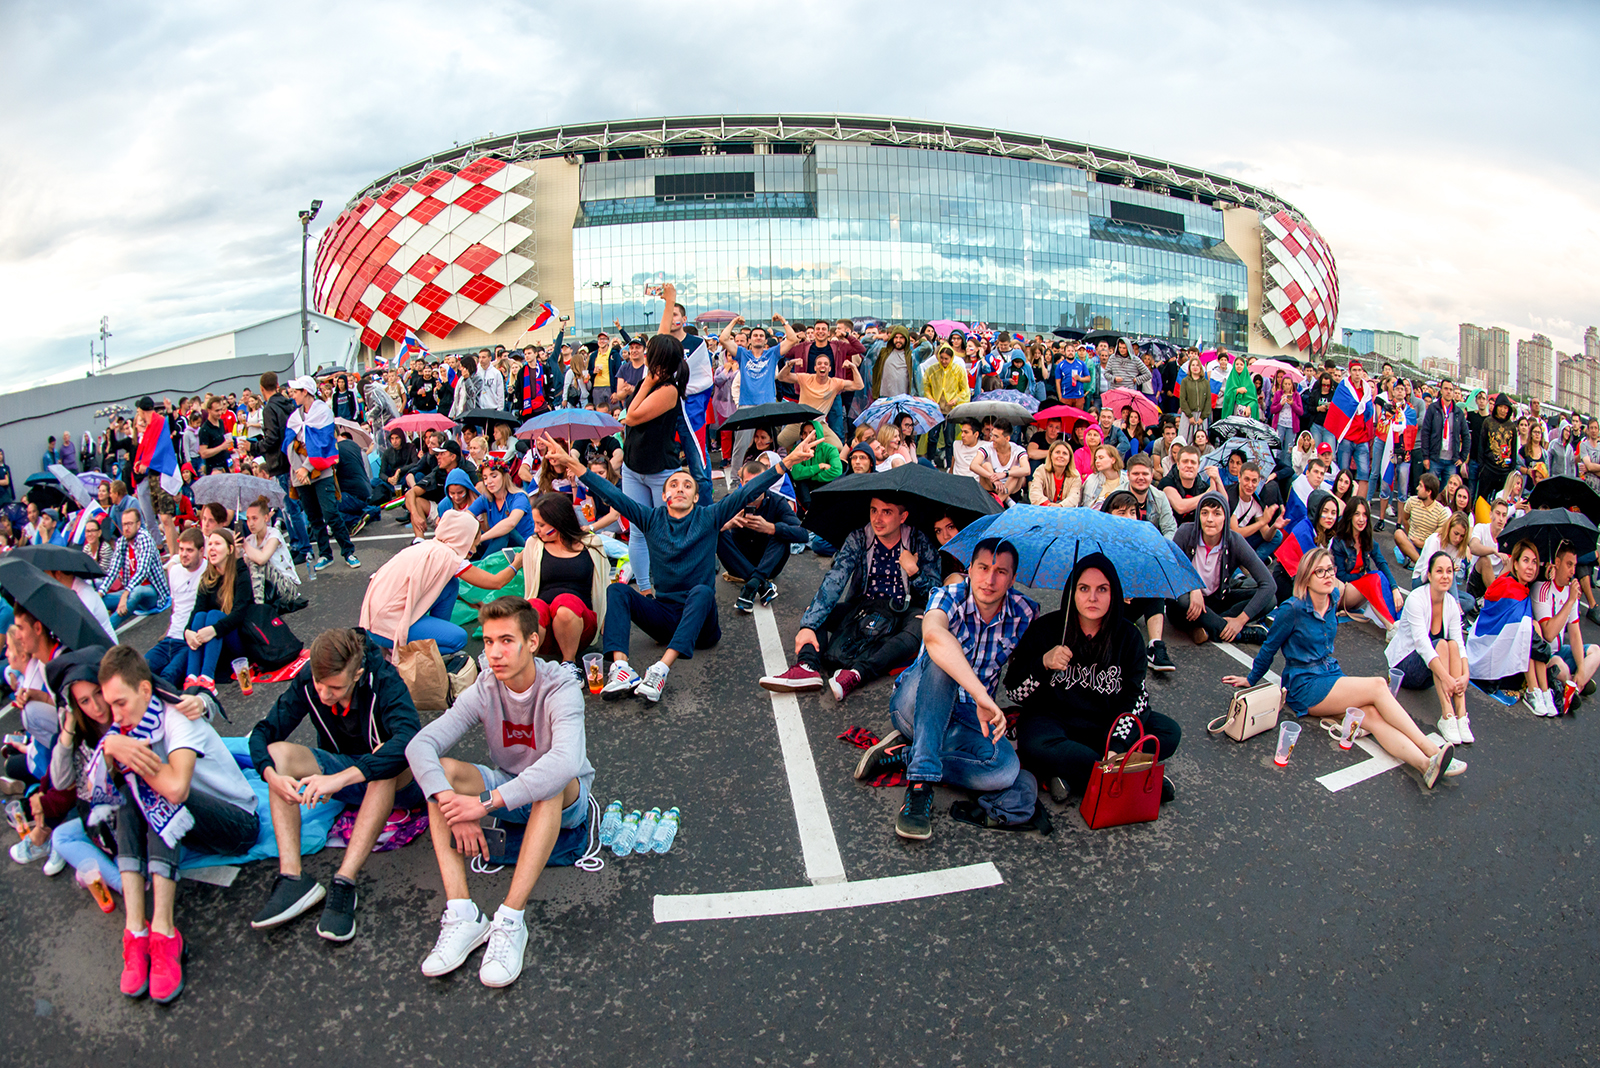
843, 682
798, 679
135, 963
166, 966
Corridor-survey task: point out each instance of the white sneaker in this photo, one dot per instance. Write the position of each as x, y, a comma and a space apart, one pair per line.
56, 864
654, 681
25, 852
1548, 704
573, 670
1455, 767
1535, 705
457, 939
1449, 730
620, 681
1464, 728
502, 961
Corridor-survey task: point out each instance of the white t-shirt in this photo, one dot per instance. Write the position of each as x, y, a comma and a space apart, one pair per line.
1550, 601
1482, 534
216, 773
185, 584
962, 457
95, 604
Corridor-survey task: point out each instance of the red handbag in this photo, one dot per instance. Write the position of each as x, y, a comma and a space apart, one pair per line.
1124, 789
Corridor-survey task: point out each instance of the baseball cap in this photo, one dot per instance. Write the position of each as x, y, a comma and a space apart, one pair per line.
1324, 449
304, 382
451, 447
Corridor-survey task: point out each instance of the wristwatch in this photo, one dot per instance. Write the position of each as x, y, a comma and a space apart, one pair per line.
486, 799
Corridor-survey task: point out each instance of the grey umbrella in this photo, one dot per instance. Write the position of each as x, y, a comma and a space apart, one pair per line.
1015, 414
233, 492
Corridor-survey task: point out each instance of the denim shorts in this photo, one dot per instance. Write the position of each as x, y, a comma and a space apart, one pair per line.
1569, 658
408, 796
571, 816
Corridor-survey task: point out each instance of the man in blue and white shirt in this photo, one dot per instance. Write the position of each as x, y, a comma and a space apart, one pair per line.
948, 727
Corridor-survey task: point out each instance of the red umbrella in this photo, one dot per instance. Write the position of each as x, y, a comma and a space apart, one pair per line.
420, 421
716, 315
1120, 400
1069, 416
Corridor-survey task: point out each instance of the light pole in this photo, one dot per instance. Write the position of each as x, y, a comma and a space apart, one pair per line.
305, 241
601, 286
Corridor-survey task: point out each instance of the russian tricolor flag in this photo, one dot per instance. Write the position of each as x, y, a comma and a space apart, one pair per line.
546, 312
1502, 637
1401, 430
410, 347
1297, 541
75, 529
155, 454
1349, 417
1375, 587
316, 435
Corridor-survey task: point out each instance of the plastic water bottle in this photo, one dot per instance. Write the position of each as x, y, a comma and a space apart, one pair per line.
647, 831
610, 823
627, 834
666, 831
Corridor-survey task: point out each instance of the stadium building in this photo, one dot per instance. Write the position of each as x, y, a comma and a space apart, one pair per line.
820, 216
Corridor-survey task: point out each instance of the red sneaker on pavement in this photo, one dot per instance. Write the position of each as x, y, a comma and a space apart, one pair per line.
135, 963
798, 679
843, 682
166, 966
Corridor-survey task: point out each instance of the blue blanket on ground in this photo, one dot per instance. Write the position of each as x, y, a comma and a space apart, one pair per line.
314, 822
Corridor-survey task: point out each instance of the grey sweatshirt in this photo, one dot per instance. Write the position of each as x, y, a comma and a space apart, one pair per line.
544, 758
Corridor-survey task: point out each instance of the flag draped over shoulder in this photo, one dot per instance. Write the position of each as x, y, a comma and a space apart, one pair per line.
1349, 416
1503, 633
314, 431
155, 453
1297, 541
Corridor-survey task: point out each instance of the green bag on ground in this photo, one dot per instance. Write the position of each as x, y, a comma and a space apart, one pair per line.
465, 613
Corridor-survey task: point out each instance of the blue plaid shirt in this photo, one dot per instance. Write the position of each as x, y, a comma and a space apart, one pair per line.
987, 645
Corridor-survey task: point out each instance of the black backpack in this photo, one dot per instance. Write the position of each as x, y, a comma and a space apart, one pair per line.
267, 639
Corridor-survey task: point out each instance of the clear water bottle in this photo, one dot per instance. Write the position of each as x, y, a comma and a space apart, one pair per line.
610, 823
666, 831
627, 834
647, 831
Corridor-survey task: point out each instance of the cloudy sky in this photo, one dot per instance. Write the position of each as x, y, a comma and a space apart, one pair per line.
158, 152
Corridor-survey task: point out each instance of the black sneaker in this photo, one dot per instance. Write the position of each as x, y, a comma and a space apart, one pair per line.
1253, 633
338, 923
888, 755
291, 895
916, 815
769, 593
1158, 659
746, 601
1058, 790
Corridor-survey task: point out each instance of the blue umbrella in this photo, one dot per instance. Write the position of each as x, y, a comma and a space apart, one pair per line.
1012, 396
570, 424
924, 413
1051, 541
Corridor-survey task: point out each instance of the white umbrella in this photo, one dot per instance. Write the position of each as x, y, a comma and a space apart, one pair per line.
72, 485
357, 432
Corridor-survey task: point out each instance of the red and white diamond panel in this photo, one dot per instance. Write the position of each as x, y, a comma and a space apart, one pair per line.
431, 255
1301, 287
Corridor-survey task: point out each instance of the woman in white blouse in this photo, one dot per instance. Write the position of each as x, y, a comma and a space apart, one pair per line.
1429, 649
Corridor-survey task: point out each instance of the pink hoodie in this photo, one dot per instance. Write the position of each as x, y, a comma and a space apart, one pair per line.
402, 590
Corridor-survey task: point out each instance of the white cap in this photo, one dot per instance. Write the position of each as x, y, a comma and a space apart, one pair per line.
304, 382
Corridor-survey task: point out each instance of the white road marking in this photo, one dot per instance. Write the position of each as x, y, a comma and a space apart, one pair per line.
1248, 661
1378, 763
675, 908
388, 537
817, 841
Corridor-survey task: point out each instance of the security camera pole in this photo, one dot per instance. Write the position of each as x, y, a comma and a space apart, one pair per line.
305, 319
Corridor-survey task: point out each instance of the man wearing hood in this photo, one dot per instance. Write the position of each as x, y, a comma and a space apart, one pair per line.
364, 719
1077, 674
1497, 447
1221, 608
429, 491
948, 727
892, 367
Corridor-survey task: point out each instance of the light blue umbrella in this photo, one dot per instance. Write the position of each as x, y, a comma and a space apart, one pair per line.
570, 424
924, 413
1012, 396
1050, 541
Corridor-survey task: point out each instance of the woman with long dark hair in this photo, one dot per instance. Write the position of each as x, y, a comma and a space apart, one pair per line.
652, 422
564, 576
1355, 556
1076, 674
219, 608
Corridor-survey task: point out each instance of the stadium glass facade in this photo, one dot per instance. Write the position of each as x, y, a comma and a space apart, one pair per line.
903, 234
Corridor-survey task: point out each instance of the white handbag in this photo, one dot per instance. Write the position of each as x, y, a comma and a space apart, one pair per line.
1252, 711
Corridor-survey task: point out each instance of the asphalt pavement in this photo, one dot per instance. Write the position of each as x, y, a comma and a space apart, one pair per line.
1263, 919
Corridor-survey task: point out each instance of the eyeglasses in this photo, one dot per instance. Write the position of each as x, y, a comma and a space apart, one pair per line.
1322, 572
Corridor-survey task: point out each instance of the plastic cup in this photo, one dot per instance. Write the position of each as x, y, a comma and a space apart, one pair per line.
1347, 732
1396, 676
241, 674
593, 671
1288, 734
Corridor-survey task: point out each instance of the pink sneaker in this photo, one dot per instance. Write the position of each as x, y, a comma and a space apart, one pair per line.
191, 681
166, 966
798, 679
844, 681
135, 963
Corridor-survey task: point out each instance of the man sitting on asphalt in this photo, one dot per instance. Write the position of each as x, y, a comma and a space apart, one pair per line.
871, 598
1255, 511
1150, 610
364, 719
1222, 609
948, 727
1488, 562
1300, 490
683, 556
430, 490
1421, 516
176, 788
355, 484
1186, 485
136, 582
754, 544
169, 656
539, 776
1153, 507
1556, 609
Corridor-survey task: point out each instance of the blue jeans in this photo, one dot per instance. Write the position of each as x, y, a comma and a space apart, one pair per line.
1321, 435
511, 540
76, 848
1356, 458
645, 490
220, 829
352, 508
1269, 546
168, 659
684, 625
1441, 470
203, 661
299, 540
436, 624
948, 746
140, 599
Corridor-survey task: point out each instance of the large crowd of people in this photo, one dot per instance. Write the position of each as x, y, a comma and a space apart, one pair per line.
1272, 482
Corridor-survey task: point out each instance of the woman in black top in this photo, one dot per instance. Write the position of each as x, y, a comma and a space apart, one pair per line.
1075, 673
220, 604
565, 575
652, 422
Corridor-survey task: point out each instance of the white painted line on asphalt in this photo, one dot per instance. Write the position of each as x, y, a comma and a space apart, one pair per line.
388, 537
675, 908
1378, 763
1239, 655
817, 842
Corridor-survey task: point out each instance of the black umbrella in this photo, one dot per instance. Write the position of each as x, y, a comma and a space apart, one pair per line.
51, 603
780, 413
41, 478
46, 494
489, 415
843, 505
1094, 337
1563, 491
1549, 529
1242, 426
1067, 334
58, 558
1164, 350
